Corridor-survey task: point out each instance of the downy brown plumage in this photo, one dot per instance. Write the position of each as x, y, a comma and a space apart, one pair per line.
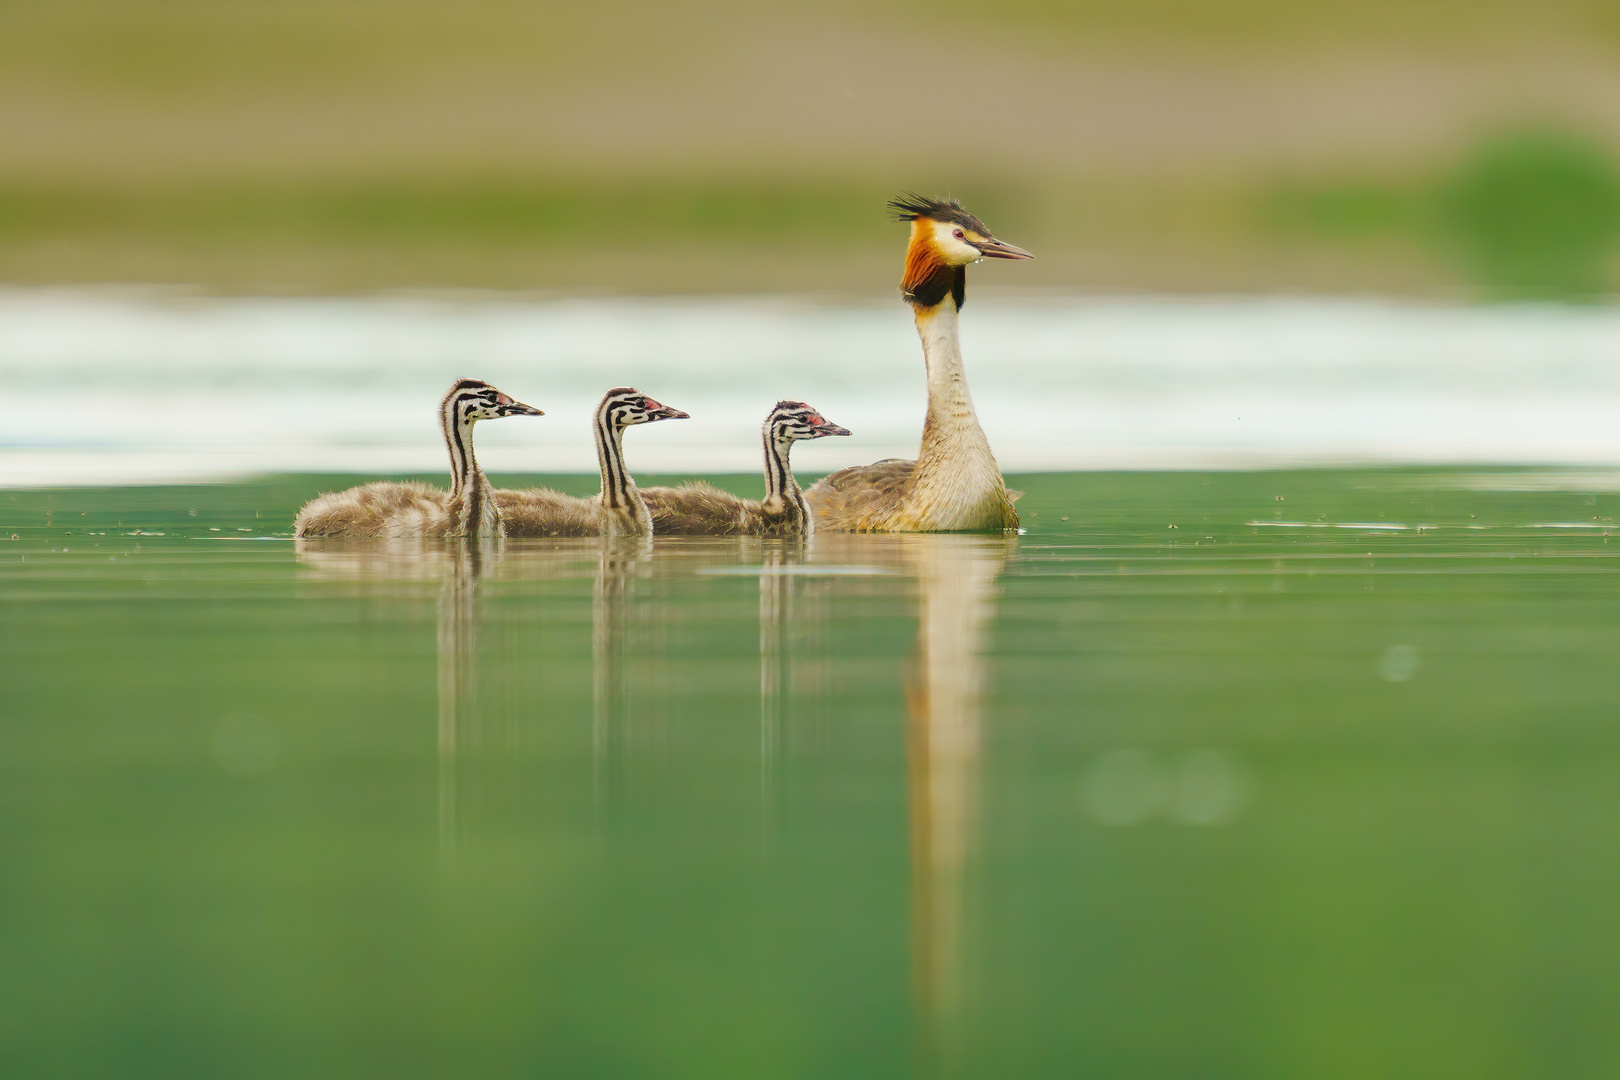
384, 509
955, 483
617, 510
699, 509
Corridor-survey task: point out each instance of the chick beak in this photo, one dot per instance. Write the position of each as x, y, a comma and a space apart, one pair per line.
657, 411
517, 408
830, 429
991, 248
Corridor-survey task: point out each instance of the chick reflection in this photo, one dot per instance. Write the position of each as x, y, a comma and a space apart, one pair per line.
459, 566
615, 623
955, 578
457, 638
793, 677
956, 582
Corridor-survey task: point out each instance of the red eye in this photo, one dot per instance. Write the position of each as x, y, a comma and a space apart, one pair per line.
958, 234
815, 421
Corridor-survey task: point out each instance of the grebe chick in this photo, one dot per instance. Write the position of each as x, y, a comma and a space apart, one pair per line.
617, 510
703, 510
955, 483
385, 509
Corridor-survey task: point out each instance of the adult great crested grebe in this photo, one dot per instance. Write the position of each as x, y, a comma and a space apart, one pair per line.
699, 509
955, 484
384, 509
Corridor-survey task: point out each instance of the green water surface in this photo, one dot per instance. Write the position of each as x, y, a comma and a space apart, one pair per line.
1305, 774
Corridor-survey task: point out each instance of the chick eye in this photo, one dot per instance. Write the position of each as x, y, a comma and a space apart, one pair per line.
958, 234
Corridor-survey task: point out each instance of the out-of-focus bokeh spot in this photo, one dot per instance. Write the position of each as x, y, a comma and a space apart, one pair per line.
1197, 787
1397, 663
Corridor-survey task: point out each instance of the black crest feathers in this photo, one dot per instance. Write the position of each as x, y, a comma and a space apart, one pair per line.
911, 206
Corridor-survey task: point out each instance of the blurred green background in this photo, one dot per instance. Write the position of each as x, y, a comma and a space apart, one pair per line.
1447, 148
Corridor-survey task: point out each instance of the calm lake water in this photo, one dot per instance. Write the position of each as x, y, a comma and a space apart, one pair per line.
1265, 774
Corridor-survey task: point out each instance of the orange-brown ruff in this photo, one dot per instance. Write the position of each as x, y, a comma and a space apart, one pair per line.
955, 483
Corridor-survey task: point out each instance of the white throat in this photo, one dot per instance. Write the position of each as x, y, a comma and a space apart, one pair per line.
951, 419
957, 483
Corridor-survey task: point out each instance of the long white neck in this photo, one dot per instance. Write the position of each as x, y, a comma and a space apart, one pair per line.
472, 506
622, 507
951, 433
782, 494
957, 483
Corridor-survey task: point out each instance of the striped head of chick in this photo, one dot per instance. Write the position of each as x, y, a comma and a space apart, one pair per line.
945, 238
626, 406
474, 399
791, 421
